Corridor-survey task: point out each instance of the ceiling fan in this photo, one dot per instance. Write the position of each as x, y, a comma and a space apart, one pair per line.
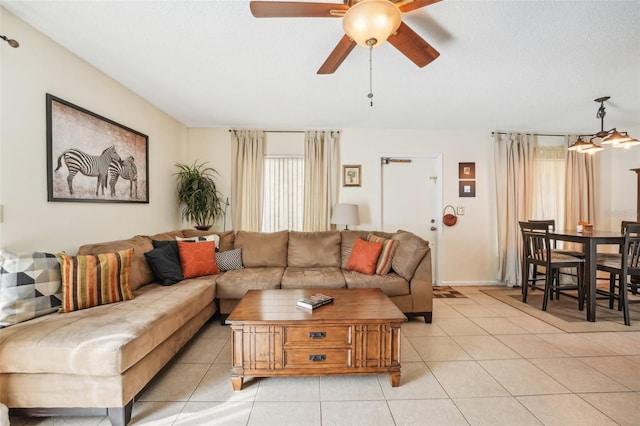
366, 22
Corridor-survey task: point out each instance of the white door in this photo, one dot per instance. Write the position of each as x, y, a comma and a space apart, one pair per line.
411, 199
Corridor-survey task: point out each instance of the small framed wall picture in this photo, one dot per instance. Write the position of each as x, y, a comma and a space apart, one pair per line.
467, 188
466, 170
352, 175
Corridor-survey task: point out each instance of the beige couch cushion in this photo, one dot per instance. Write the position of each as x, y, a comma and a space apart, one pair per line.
409, 253
262, 249
234, 284
391, 284
105, 340
314, 249
141, 273
323, 277
166, 236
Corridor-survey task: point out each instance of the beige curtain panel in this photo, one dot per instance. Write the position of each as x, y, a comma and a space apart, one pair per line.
580, 188
321, 178
514, 153
247, 154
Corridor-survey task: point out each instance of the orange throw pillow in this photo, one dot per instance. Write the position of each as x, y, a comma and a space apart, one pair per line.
364, 256
198, 259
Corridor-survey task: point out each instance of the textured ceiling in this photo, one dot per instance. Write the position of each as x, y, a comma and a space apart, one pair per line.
508, 65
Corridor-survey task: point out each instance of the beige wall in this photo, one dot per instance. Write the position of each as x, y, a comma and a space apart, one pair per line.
41, 66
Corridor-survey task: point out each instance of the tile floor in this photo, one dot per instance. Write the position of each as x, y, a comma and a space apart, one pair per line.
481, 362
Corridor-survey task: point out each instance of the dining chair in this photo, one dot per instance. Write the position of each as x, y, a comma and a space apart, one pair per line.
620, 270
634, 280
538, 251
551, 223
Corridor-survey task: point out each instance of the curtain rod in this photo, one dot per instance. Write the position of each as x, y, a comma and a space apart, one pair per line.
285, 131
528, 133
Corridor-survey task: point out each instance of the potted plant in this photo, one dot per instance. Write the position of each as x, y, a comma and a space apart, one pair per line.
198, 194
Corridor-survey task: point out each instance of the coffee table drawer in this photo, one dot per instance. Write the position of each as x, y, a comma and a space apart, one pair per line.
317, 358
318, 334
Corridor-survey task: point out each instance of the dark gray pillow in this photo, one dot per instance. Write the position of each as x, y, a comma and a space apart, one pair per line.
164, 261
230, 259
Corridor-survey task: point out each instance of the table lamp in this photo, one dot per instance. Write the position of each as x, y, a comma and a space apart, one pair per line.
345, 214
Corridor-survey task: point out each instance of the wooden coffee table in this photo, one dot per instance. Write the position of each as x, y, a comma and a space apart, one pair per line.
359, 333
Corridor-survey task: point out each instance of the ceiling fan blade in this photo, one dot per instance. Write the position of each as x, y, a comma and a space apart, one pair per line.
416, 4
339, 54
413, 46
289, 9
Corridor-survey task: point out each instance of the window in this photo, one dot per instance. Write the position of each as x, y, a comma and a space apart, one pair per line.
283, 193
548, 187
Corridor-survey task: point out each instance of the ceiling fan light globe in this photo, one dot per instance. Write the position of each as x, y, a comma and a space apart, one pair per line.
371, 19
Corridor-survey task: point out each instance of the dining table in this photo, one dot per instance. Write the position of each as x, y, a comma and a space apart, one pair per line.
590, 241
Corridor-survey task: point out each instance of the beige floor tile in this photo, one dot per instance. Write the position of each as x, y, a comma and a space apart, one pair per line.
474, 311
63, 421
457, 301
464, 379
460, 327
504, 411
634, 358
485, 347
564, 410
354, 388
407, 352
216, 386
285, 413
521, 377
224, 356
214, 414
370, 413
615, 341
214, 330
441, 412
534, 325
439, 349
420, 328
635, 335
506, 311
618, 368
442, 310
531, 346
416, 382
621, 407
176, 383
578, 376
575, 345
499, 326
155, 413
200, 351
289, 389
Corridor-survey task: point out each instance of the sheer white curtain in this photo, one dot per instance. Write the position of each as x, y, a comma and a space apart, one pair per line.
580, 188
548, 189
514, 154
283, 193
247, 151
321, 178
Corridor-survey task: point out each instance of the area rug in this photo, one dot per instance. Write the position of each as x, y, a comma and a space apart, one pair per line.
446, 292
564, 313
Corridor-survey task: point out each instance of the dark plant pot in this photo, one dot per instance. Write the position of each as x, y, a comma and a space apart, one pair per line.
202, 227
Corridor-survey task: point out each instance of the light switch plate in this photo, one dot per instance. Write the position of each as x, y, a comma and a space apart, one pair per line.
460, 210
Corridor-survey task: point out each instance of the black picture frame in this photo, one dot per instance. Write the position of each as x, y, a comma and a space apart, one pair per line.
80, 144
466, 170
466, 188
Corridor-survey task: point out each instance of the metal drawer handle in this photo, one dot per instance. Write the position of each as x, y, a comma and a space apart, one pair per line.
317, 334
317, 358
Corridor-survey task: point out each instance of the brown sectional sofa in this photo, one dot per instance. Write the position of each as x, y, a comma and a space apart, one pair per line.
96, 360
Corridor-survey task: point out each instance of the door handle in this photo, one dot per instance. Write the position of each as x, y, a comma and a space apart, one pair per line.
317, 358
317, 334
433, 228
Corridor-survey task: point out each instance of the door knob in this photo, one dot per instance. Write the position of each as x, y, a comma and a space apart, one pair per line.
433, 228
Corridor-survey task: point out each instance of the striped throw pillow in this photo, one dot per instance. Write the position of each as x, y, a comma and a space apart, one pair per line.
386, 255
92, 280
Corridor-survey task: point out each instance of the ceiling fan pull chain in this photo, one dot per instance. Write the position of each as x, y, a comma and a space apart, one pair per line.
370, 95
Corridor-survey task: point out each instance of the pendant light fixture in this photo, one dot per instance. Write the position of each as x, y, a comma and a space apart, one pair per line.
11, 41
606, 137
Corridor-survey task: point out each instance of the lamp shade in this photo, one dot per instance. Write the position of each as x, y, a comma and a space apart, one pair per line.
345, 214
373, 20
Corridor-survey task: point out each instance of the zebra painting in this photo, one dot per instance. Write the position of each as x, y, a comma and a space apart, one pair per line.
88, 165
126, 169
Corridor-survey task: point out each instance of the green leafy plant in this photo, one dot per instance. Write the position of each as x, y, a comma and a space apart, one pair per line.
197, 192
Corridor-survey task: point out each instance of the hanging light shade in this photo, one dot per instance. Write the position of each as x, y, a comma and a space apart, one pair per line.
592, 149
628, 142
615, 138
371, 22
580, 145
